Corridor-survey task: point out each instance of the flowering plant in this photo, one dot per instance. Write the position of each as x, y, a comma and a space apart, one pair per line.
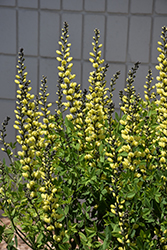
81, 177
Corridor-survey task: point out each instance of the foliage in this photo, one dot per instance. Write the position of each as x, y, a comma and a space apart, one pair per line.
80, 174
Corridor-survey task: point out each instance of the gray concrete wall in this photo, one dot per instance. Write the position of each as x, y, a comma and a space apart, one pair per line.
129, 29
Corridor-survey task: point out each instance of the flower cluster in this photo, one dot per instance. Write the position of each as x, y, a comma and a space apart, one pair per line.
70, 89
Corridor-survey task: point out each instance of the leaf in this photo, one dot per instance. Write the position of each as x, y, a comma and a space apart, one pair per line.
13, 212
139, 243
66, 210
39, 238
83, 237
117, 116
101, 158
131, 194
69, 124
101, 148
77, 146
2, 228
15, 239
123, 154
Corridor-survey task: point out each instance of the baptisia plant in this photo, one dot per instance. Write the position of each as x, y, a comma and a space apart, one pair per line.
81, 179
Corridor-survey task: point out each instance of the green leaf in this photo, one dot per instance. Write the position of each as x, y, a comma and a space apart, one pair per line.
15, 239
39, 238
77, 146
2, 228
13, 212
140, 243
101, 148
101, 158
83, 237
131, 194
66, 210
123, 154
69, 124
117, 116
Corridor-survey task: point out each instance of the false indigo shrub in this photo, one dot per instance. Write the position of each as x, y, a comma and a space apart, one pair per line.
88, 180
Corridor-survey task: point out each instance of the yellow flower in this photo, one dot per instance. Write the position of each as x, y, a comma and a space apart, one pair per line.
26, 168
69, 117
54, 190
47, 220
72, 110
113, 211
58, 52
50, 228
25, 175
69, 59
16, 127
95, 65
68, 98
42, 189
16, 81
71, 91
59, 59
66, 80
91, 60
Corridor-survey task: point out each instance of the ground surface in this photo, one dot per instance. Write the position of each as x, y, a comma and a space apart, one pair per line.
21, 244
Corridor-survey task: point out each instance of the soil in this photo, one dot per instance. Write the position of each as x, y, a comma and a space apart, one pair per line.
21, 244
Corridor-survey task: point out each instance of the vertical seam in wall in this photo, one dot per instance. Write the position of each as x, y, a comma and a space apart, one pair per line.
60, 16
151, 35
105, 30
38, 52
17, 48
82, 45
127, 46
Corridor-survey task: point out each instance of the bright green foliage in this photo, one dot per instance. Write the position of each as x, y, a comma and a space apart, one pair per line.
82, 178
